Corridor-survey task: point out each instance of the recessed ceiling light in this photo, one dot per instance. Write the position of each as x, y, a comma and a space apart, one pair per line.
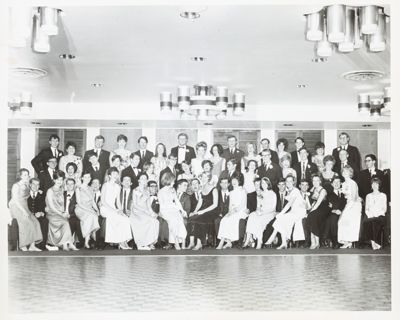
35, 122
366, 125
122, 123
319, 59
190, 15
66, 56
198, 59
301, 86
288, 124
208, 123
97, 85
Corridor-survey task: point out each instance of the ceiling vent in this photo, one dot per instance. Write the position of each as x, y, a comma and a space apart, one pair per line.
363, 75
27, 73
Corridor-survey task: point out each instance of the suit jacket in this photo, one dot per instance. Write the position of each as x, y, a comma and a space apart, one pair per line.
39, 162
147, 157
274, 174
296, 159
100, 174
223, 207
279, 204
186, 203
225, 175
190, 153
130, 198
46, 182
311, 168
336, 202
72, 204
167, 169
238, 155
274, 156
38, 204
155, 206
354, 156
338, 168
104, 159
364, 181
129, 172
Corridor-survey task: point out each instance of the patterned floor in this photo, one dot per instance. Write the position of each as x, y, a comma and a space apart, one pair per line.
199, 283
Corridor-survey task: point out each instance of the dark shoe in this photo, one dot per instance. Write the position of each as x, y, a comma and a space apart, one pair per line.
336, 246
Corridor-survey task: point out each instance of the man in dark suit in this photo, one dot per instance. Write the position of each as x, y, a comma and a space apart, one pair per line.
144, 154
183, 152
223, 202
305, 168
231, 169
365, 176
265, 143
101, 233
37, 205
95, 168
269, 169
344, 161
304, 187
133, 170
103, 156
232, 152
171, 167
46, 176
39, 162
184, 198
126, 195
163, 234
70, 204
337, 202
299, 142
353, 152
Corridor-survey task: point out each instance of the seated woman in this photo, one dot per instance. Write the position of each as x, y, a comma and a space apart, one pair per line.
28, 226
86, 211
249, 175
375, 209
118, 228
349, 221
196, 163
258, 220
229, 225
319, 211
69, 157
143, 220
59, 229
286, 220
171, 210
204, 214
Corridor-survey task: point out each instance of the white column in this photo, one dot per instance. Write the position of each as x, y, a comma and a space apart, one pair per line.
206, 135
383, 149
27, 148
268, 133
91, 133
330, 140
150, 133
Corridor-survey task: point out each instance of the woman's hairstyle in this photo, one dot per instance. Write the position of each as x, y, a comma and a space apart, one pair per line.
319, 145
180, 181
219, 148
290, 176
116, 156
268, 182
251, 161
144, 138
142, 174
111, 170
284, 141
70, 144
164, 154
254, 146
207, 174
201, 144
147, 165
286, 157
122, 137
58, 174
328, 158
349, 169
316, 175
207, 161
73, 165
167, 178
239, 177
20, 171
376, 180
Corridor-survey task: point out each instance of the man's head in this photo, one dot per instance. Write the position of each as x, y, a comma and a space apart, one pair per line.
95, 184
99, 141
344, 138
52, 162
232, 141
195, 185
135, 160
54, 141
172, 159
142, 141
264, 143
299, 142
224, 184
93, 159
281, 185
304, 185
34, 184
303, 154
126, 182
336, 182
266, 155
70, 184
370, 161
231, 165
153, 188
182, 139
182, 185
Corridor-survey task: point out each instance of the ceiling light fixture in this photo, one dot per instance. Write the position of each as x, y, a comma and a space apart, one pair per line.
366, 125
97, 85
67, 56
191, 15
288, 124
198, 59
49, 20
41, 40
301, 86
375, 103
122, 123
21, 104
35, 122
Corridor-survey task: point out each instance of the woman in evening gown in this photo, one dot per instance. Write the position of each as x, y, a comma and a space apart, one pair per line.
249, 175
160, 159
218, 162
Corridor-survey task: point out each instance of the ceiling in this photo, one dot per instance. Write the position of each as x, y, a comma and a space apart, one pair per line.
138, 51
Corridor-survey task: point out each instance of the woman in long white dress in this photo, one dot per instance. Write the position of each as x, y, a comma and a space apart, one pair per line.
350, 219
70, 156
258, 220
122, 140
160, 159
196, 163
144, 223
286, 220
171, 210
229, 225
118, 228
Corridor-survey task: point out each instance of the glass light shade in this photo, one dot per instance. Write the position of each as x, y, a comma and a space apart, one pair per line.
314, 26
336, 22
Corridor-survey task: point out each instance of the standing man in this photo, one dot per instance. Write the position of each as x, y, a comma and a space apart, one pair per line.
305, 168
353, 152
96, 169
269, 169
265, 146
299, 142
39, 162
365, 176
95, 185
133, 170
144, 154
46, 175
232, 152
183, 152
231, 169
102, 155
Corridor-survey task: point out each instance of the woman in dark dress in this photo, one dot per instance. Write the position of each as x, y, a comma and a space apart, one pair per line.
327, 173
318, 212
204, 214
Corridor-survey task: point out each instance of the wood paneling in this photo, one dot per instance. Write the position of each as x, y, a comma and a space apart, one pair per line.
243, 136
311, 137
74, 135
111, 138
13, 157
170, 137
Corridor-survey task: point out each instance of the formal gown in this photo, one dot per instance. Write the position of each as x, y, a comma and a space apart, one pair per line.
217, 166
316, 218
124, 154
28, 227
86, 214
284, 223
64, 160
258, 220
229, 225
160, 163
144, 227
349, 221
118, 227
59, 229
170, 210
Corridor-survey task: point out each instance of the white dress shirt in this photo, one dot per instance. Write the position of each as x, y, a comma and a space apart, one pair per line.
181, 154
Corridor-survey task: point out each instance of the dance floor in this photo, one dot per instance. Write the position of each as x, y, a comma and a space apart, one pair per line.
259, 282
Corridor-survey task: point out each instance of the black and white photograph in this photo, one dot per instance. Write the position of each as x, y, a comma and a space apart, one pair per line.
198, 158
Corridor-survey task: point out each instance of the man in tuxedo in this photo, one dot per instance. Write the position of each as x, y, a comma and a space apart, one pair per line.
133, 170
182, 151
46, 176
265, 146
232, 152
304, 187
337, 202
126, 195
95, 168
231, 169
171, 167
195, 196
39, 162
101, 233
70, 204
163, 234
344, 161
103, 156
269, 169
304, 168
223, 202
299, 143
184, 198
144, 154
353, 152
365, 176
37, 205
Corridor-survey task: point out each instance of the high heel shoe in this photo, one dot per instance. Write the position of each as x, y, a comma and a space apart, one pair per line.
124, 247
346, 245
177, 247
227, 246
190, 246
72, 247
282, 246
196, 248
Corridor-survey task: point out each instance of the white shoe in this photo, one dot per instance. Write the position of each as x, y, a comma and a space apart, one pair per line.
24, 249
51, 248
34, 249
147, 248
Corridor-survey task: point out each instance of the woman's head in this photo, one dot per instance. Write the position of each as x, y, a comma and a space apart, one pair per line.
113, 173
201, 148
161, 150
252, 165
320, 148
216, 149
285, 161
86, 178
282, 144
205, 177
329, 162
376, 183
316, 180
116, 160
148, 167
290, 181
347, 172
70, 148
251, 148
71, 168
185, 167
23, 175
167, 179
58, 178
122, 140
143, 178
207, 165
266, 184
237, 180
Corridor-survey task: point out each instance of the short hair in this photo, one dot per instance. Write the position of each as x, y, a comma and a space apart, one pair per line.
51, 158
147, 165
257, 179
286, 157
253, 144
167, 178
252, 161
239, 177
95, 179
133, 155
98, 137
222, 178
73, 165
302, 148
303, 181
111, 170
171, 155
219, 148
284, 141
208, 174
349, 169
266, 150
316, 175
58, 174
164, 152
268, 182
375, 179
54, 136
344, 134
195, 179
91, 154
152, 182
182, 134
201, 144
265, 139
372, 156
70, 144
19, 173
144, 138
328, 158
290, 176
230, 137
299, 138
122, 137
34, 179
281, 180
70, 179
233, 161
122, 179
180, 181
319, 145
141, 174
204, 162
116, 156
335, 177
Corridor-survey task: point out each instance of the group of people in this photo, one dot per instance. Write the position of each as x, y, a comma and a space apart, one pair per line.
195, 197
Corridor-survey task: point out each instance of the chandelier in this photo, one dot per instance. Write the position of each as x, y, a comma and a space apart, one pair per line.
202, 102
375, 104
21, 105
347, 28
